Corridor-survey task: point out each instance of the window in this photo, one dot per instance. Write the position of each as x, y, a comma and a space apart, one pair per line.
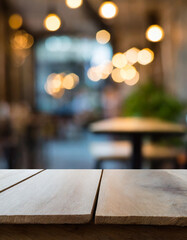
59, 54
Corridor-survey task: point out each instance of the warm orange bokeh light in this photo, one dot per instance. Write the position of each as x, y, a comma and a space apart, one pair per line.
145, 56
93, 74
116, 76
154, 33
119, 60
54, 86
68, 82
108, 10
22, 40
52, 22
103, 36
134, 80
74, 3
132, 55
15, 21
128, 72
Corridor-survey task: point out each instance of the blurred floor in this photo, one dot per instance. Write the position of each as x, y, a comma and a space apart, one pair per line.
65, 154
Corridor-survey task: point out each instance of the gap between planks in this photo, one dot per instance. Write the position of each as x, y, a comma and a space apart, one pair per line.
22, 180
96, 198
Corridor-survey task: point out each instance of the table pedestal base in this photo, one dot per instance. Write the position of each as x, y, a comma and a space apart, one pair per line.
136, 151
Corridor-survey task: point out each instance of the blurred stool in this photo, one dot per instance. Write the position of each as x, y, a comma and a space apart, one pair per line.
122, 150
107, 151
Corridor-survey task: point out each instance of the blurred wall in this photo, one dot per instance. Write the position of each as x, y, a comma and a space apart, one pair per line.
2, 55
16, 67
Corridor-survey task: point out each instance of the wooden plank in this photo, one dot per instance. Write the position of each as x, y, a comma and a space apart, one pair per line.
135, 124
155, 197
91, 232
9, 178
53, 196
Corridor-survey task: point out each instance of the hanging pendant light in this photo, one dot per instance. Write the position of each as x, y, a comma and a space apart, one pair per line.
108, 10
52, 22
74, 3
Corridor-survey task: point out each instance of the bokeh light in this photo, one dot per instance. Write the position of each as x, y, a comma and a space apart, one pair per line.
134, 80
119, 60
103, 36
108, 10
107, 68
93, 74
59, 94
132, 55
116, 76
21, 40
54, 86
128, 72
145, 56
57, 83
15, 21
52, 22
74, 3
75, 78
154, 33
68, 82
54, 83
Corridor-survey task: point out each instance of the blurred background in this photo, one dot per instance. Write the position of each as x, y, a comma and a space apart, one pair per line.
67, 63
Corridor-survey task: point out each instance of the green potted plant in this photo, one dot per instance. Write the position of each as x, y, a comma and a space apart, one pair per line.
150, 100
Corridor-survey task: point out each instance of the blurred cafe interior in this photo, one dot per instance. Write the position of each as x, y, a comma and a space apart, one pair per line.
93, 84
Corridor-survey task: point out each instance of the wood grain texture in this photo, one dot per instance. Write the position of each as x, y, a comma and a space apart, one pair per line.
91, 232
53, 196
9, 178
155, 197
135, 124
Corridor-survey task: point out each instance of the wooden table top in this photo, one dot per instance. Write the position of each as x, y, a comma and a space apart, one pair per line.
143, 197
52, 196
152, 197
136, 125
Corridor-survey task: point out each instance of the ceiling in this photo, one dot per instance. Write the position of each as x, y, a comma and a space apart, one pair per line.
127, 28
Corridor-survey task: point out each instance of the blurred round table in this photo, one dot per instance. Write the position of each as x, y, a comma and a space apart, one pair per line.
136, 128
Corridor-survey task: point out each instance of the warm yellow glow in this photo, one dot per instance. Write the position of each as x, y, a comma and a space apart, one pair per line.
132, 55
108, 10
103, 71
102, 36
59, 94
22, 40
15, 21
154, 33
119, 60
57, 83
145, 56
116, 76
134, 80
107, 67
74, 3
68, 82
52, 22
75, 78
93, 74
128, 72
54, 86
54, 83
